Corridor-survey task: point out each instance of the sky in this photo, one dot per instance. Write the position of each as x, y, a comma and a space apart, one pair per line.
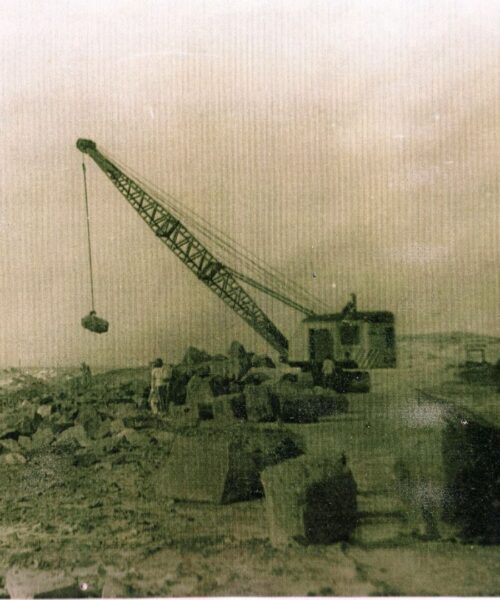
351, 145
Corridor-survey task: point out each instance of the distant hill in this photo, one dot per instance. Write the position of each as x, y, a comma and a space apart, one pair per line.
453, 337
442, 350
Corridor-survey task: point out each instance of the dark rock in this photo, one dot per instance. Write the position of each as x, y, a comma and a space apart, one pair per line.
194, 356
262, 360
76, 436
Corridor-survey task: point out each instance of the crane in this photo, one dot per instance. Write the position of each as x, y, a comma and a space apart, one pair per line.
218, 277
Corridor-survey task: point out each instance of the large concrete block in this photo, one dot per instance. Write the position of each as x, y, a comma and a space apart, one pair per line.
223, 465
198, 390
311, 501
259, 404
208, 469
229, 407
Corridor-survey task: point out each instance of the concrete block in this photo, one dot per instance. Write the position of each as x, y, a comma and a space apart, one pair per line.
208, 469
42, 437
259, 404
198, 390
45, 410
229, 407
311, 501
13, 458
73, 435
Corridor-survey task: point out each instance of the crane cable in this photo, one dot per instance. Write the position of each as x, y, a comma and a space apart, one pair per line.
84, 169
255, 263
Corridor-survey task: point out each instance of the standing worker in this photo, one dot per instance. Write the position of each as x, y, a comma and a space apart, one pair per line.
86, 374
327, 369
160, 375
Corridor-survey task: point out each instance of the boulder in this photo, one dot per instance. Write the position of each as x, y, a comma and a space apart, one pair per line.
310, 501
9, 445
12, 458
45, 410
134, 438
237, 350
90, 421
257, 375
194, 356
94, 323
73, 436
42, 437
25, 443
262, 360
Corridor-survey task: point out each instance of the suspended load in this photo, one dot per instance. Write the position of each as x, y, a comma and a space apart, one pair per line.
94, 323
91, 321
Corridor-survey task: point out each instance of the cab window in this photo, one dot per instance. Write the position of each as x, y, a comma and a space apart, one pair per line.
349, 334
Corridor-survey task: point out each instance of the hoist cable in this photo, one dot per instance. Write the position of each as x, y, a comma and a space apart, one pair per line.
88, 234
271, 273
208, 232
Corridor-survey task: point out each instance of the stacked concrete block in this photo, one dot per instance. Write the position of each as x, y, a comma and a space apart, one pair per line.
229, 407
260, 406
296, 404
198, 391
310, 501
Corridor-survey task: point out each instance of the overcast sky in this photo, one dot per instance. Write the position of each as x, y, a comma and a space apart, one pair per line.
354, 145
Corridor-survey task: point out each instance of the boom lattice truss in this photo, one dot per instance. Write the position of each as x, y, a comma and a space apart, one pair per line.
215, 275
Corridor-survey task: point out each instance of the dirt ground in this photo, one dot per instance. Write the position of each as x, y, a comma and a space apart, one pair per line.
103, 525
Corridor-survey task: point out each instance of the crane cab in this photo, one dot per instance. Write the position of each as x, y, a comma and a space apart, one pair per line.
366, 337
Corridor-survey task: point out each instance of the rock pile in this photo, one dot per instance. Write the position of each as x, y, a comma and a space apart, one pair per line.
245, 387
102, 421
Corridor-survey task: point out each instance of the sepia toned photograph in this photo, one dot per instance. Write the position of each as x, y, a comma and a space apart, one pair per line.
250, 291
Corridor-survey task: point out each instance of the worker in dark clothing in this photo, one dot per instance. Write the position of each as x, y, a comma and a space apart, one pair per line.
327, 369
86, 374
